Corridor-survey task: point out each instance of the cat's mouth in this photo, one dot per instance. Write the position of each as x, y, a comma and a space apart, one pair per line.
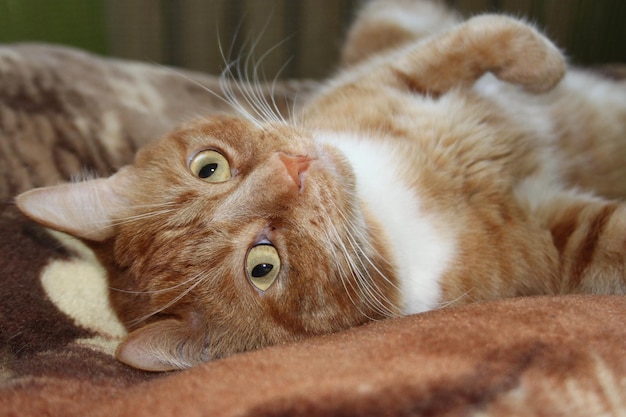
333, 161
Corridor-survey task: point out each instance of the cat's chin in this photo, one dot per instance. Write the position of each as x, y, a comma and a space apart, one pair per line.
332, 159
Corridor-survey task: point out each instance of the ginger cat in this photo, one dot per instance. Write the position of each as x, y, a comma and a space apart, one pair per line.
448, 162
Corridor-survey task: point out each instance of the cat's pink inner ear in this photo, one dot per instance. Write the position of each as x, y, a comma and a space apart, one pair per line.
83, 209
165, 345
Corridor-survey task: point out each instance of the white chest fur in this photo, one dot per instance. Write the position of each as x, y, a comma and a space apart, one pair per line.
420, 252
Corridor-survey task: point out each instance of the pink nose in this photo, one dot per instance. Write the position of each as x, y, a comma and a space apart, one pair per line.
296, 165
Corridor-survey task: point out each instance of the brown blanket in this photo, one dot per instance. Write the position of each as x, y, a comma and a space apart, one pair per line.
66, 109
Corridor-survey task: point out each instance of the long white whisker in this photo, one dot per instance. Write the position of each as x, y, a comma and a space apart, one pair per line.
142, 216
220, 97
365, 240
152, 292
343, 275
226, 81
98, 227
243, 86
171, 302
226, 84
376, 298
251, 68
273, 108
270, 113
252, 101
356, 272
451, 302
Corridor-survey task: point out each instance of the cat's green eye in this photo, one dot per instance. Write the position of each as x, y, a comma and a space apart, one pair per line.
210, 166
262, 266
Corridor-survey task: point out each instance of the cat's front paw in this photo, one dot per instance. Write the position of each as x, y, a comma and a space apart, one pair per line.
512, 50
519, 54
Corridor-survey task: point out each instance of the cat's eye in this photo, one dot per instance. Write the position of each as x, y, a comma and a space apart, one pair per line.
262, 266
210, 166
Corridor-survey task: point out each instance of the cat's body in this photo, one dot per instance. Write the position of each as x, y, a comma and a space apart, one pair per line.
412, 180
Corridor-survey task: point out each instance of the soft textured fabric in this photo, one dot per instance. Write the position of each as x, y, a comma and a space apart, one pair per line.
66, 109
63, 111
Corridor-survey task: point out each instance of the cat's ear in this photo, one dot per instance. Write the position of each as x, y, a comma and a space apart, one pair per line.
164, 345
512, 50
83, 209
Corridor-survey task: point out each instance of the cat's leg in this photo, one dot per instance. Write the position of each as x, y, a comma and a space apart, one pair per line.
590, 237
510, 49
388, 24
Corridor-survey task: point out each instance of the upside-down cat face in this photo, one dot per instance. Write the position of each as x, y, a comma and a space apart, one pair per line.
228, 237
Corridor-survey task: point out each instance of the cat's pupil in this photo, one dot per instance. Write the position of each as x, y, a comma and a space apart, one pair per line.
207, 170
261, 270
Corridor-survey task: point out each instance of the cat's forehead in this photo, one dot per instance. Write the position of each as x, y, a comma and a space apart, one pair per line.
231, 135
215, 131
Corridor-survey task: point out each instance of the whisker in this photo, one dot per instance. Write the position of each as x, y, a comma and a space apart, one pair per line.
142, 216
352, 270
243, 86
356, 273
226, 84
249, 96
269, 112
171, 302
343, 275
275, 109
375, 297
454, 301
197, 83
98, 227
365, 240
251, 68
154, 292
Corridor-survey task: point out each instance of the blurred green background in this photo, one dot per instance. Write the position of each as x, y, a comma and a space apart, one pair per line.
305, 34
81, 23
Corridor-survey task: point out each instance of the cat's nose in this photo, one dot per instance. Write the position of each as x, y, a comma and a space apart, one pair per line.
296, 166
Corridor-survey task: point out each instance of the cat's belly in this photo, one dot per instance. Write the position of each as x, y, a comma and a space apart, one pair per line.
421, 251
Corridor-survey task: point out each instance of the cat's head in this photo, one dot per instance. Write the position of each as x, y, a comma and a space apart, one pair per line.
224, 237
